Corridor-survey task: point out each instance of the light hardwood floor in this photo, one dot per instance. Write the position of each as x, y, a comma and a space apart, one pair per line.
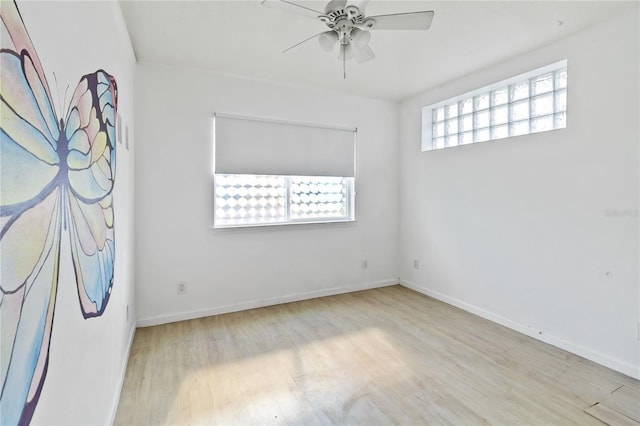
381, 356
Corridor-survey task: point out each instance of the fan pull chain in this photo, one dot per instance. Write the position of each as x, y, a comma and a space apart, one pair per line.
344, 62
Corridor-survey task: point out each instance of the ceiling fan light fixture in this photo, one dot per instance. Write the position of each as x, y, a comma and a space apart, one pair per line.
363, 54
327, 40
360, 38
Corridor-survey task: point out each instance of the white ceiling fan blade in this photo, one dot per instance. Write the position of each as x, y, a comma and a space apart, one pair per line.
302, 42
335, 5
293, 7
328, 40
363, 54
360, 4
402, 21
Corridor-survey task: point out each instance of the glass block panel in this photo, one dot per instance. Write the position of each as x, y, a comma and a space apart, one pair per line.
561, 79
519, 110
500, 97
452, 110
466, 138
481, 135
221, 203
542, 105
500, 115
249, 199
466, 123
438, 129
481, 102
481, 119
519, 128
273, 181
242, 191
542, 84
314, 197
438, 114
500, 131
561, 101
452, 126
221, 190
537, 103
519, 91
465, 107
542, 124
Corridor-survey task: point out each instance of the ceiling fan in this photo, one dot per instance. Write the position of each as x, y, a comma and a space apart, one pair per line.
349, 26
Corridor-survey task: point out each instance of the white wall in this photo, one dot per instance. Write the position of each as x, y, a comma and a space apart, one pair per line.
87, 357
517, 230
233, 269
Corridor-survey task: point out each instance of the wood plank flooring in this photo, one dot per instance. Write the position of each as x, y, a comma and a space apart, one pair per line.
621, 407
383, 356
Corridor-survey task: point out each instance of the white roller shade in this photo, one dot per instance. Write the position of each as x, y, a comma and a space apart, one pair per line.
245, 145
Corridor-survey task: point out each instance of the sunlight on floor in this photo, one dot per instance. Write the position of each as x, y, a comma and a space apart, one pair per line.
287, 377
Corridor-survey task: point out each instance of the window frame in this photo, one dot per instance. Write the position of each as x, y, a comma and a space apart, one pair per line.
351, 180
428, 141
350, 205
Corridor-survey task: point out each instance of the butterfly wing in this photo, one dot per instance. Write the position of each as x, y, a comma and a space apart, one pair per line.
50, 176
90, 131
31, 191
27, 309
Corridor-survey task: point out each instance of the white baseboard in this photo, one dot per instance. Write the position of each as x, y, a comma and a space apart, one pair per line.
595, 356
123, 372
243, 306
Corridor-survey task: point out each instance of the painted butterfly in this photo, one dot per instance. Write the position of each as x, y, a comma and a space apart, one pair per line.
56, 180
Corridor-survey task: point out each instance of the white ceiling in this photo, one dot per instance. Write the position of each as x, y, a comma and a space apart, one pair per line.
245, 38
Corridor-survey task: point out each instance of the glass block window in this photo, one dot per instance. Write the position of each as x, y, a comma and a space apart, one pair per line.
318, 197
242, 199
530, 103
250, 200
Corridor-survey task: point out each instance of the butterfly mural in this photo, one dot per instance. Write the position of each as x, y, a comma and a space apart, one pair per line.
57, 177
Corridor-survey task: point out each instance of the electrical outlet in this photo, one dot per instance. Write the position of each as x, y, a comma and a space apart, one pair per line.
365, 264
127, 313
182, 288
416, 264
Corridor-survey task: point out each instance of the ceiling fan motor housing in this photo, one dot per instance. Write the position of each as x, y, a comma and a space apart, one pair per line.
349, 13
344, 20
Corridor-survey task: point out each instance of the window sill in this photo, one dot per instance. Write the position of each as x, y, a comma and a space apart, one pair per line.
283, 225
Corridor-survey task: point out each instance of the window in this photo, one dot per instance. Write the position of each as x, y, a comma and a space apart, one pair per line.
265, 199
269, 172
529, 103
